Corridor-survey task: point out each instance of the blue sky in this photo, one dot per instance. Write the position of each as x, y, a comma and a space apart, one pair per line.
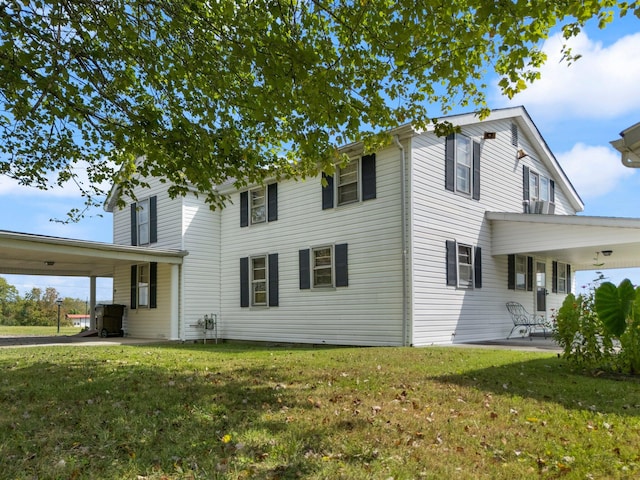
578, 109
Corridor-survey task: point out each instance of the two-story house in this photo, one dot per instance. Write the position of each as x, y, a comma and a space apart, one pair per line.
419, 243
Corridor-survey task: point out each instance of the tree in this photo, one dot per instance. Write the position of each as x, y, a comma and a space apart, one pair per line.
204, 91
8, 297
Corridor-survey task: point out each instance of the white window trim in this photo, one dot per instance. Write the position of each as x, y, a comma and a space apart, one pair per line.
469, 167
143, 205
515, 267
540, 178
313, 268
253, 281
472, 249
139, 288
358, 182
562, 267
264, 205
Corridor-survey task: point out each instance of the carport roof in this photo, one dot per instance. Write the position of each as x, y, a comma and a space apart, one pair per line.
574, 239
30, 254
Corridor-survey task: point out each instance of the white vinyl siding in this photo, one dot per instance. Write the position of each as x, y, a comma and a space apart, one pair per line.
367, 312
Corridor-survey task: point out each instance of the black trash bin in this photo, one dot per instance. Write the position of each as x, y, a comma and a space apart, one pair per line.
109, 320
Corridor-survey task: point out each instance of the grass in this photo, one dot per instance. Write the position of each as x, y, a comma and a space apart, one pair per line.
36, 331
244, 411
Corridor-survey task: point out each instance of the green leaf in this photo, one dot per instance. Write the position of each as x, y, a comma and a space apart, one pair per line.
613, 305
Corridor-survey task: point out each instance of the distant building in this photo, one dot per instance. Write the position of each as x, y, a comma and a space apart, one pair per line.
78, 320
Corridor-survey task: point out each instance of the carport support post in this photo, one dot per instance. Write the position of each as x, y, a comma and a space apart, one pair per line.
92, 303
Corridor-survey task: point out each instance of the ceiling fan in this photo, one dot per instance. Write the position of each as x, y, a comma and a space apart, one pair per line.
597, 260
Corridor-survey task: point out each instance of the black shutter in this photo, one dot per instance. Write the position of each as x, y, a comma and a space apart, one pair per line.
273, 280
568, 278
153, 219
244, 282
511, 272
552, 191
476, 171
554, 277
477, 267
369, 177
134, 287
525, 186
272, 202
452, 264
327, 192
342, 265
153, 285
244, 209
134, 224
305, 278
530, 274
450, 162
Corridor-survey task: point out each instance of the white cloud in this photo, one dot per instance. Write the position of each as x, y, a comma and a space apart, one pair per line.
594, 170
601, 84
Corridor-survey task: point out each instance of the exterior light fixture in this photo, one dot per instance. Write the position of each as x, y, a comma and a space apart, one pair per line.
607, 253
49, 263
489, 135
521, 154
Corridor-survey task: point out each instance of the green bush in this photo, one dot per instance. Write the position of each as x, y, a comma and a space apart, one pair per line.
581, 334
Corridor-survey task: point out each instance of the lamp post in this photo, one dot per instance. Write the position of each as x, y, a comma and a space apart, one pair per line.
59, 302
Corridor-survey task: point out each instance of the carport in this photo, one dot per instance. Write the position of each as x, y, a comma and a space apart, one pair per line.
30, 254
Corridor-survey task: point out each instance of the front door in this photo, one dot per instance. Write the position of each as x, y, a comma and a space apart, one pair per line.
541, 287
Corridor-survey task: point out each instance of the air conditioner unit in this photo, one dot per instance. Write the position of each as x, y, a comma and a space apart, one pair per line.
541, 207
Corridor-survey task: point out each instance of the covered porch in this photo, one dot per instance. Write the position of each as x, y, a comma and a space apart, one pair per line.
584, 242
30, 254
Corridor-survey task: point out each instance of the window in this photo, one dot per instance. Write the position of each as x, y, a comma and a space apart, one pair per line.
259, 281
464, 265
325, 266
534, 186
259, 205
462, 165
348, 183
538, 192
144, 222
322, 267
521, 272
144, 285
561, 278
354, 182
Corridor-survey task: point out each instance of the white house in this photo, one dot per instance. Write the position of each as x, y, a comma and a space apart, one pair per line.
422, 242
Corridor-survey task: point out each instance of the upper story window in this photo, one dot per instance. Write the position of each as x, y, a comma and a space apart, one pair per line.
348, 183
259, 205
462, 165
144, 222
538, 192
353, 182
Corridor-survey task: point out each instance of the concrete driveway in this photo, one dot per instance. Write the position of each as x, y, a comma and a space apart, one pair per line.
73, 340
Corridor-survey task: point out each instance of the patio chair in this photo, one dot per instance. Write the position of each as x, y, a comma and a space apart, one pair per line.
525, 321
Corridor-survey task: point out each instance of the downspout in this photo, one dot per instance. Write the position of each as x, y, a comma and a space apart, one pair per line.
403, 207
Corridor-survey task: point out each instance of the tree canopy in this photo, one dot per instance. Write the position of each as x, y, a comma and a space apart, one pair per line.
204, 91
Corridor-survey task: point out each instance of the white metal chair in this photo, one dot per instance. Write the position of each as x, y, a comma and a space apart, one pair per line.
527, 322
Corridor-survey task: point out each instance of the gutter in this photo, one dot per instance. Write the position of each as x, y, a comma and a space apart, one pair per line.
403, 193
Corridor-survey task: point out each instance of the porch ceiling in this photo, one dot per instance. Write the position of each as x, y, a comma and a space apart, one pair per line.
575, 239
29, 254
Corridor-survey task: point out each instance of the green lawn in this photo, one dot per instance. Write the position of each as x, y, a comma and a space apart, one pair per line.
32, 331
245, 411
